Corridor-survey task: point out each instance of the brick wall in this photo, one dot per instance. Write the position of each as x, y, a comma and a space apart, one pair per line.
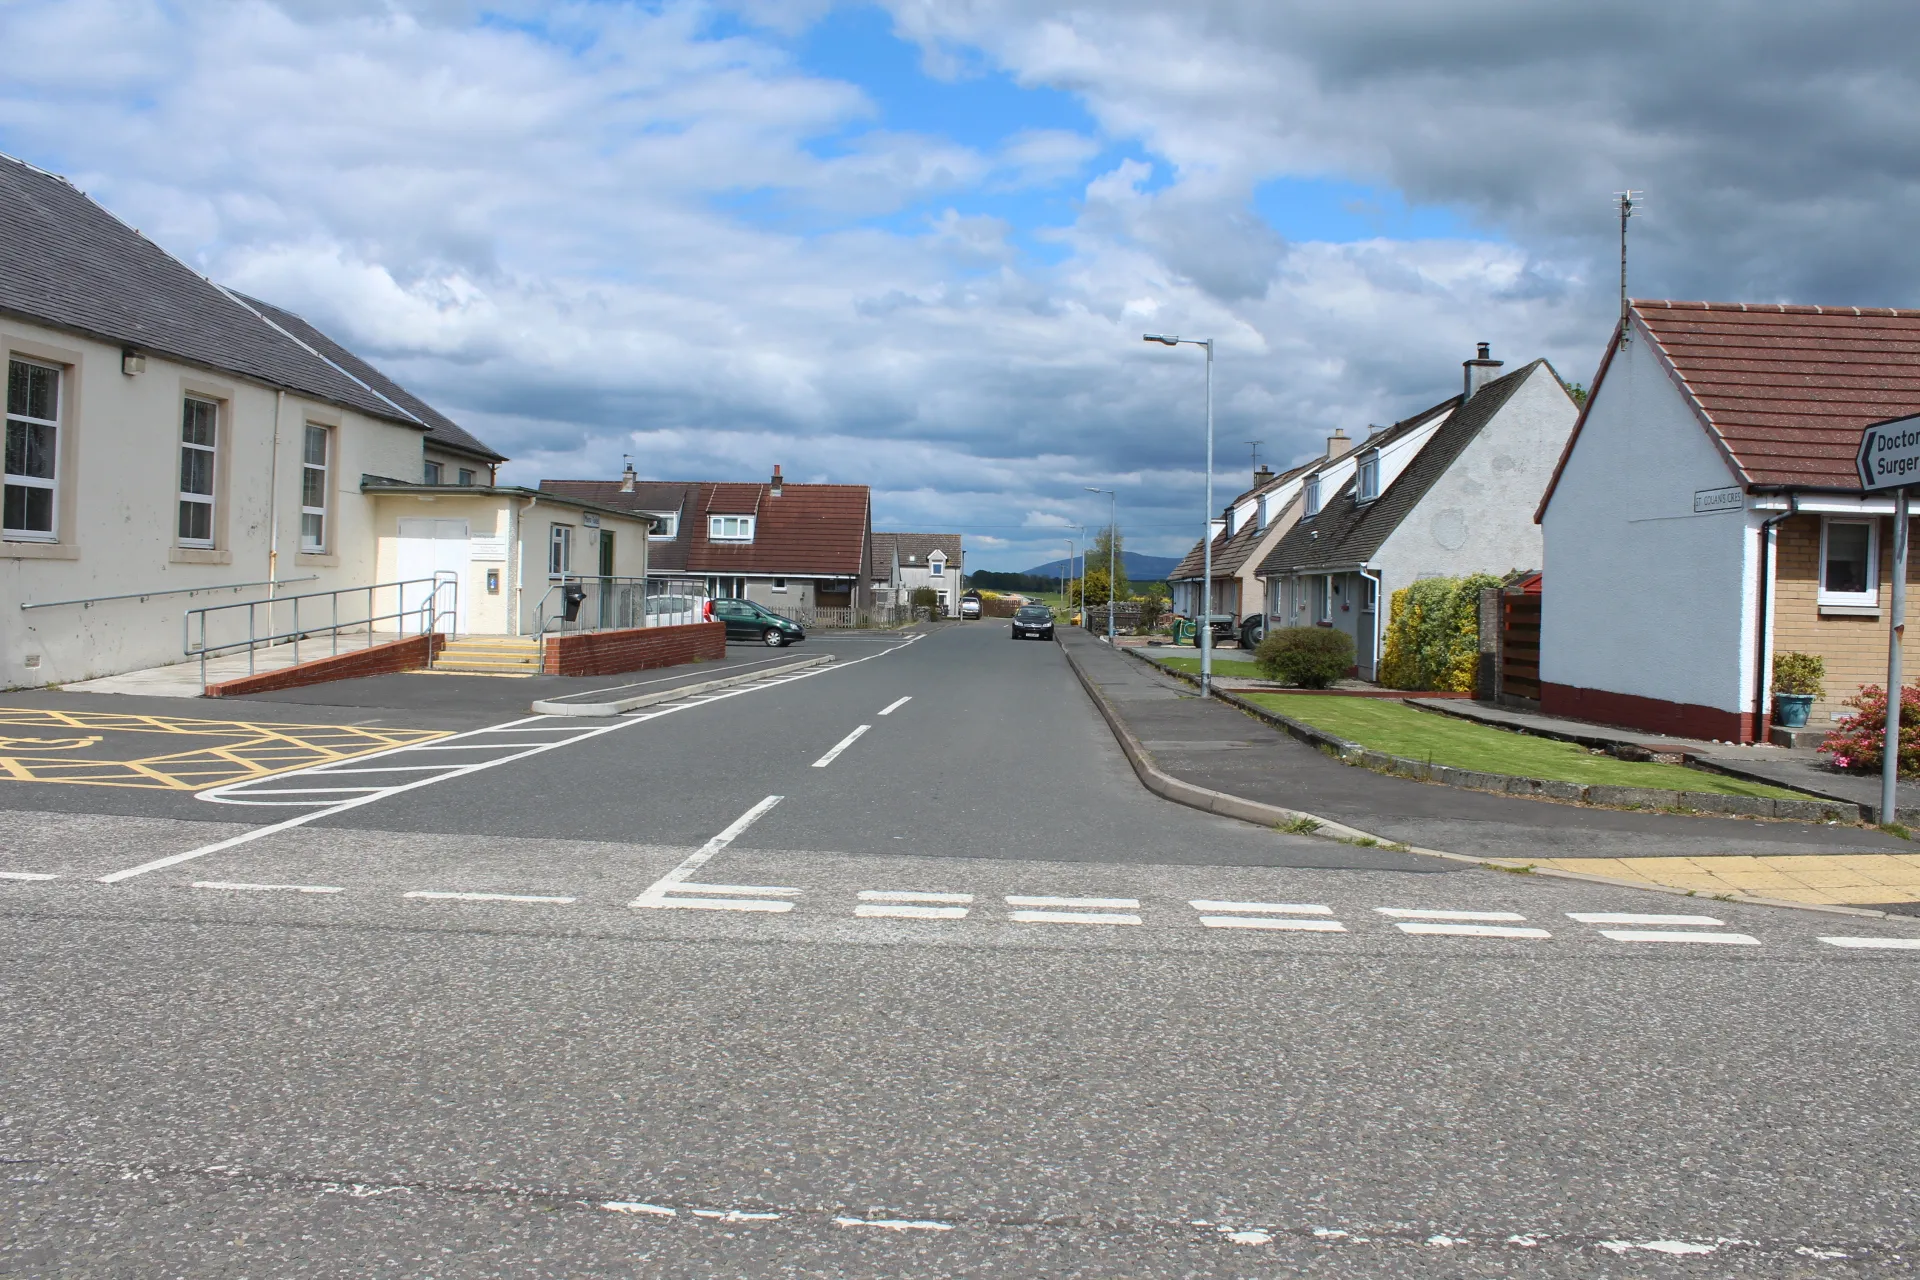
607, 653
1676, 719
1855, 648
378, 660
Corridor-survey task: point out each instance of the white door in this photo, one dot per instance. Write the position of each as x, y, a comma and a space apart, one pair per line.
428, 547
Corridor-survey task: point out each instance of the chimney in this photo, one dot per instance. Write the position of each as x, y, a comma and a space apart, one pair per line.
627, 478
1262, 474
1480, 370
1337, 442
774, 487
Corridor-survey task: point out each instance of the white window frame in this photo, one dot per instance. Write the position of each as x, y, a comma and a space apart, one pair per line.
324, 469
1310, 497
209, 499
937, 566
432, 472
1868, 599
1366, 477
49, 483
730, 528
668, 527
560, 551
1324, 609
780, 586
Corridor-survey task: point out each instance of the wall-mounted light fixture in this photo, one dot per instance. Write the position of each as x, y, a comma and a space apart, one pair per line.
132, 362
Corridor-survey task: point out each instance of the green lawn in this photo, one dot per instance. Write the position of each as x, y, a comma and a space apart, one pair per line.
1389, 726
1239, 668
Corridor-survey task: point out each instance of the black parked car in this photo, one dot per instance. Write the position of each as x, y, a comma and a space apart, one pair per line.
1034, 620
748, 621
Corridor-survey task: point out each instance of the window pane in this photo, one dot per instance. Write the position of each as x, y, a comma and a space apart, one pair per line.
27, 509
33, 390
196, 521
196, 423
316, 445
313, 529
313, 487
196, 471
1847, 557
30, 450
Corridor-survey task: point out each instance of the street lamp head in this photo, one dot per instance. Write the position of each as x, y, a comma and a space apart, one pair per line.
1162, 338
1093, 489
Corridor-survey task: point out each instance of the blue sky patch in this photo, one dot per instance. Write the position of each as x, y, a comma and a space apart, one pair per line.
1333, 210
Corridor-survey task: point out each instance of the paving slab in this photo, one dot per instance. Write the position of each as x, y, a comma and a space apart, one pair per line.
1273, 768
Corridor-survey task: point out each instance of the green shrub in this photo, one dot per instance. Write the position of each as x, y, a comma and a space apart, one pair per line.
1799, 673
1311, 657
1433, 639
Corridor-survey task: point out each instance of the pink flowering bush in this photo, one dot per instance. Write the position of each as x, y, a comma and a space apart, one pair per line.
1856, 744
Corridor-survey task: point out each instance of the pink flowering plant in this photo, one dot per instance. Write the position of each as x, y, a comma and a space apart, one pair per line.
1856, 744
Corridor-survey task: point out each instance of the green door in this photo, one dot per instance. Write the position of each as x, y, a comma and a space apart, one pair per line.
606, 577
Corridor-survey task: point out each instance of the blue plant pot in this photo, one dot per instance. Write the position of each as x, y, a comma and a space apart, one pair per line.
1790, 709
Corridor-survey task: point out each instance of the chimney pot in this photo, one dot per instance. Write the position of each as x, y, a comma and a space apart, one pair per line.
627, 478
1337, 442
774, 487
1479, 371
1262, 474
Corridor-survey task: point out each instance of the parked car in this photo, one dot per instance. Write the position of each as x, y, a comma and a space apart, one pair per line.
969, 606
1034, 620
670, 611
749, 621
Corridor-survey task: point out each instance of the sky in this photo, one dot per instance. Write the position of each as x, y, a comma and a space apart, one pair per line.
914, 244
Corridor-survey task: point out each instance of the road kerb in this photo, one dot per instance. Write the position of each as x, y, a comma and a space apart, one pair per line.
620, 706
1175, 789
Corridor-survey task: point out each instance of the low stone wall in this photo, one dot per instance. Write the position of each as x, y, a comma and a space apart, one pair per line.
609, 653
377, 660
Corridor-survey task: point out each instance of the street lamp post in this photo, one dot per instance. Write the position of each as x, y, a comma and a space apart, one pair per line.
1113, 553
1206, 528
1066, 579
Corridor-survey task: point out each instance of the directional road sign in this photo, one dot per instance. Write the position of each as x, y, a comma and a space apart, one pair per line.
1889, 456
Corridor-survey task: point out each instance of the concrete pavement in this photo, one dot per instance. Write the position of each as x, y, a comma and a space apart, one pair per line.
431, 1035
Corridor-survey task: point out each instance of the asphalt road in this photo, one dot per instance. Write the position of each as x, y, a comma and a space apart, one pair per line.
594, 1003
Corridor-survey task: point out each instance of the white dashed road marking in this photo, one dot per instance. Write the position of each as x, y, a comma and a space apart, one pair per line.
1130, 904
27, 875
1273, 922
1629, 917
1875, 944
1083, 910
655, 895
840, 746
892, 1224
442, 895
1422, 927
901, 904
896, 705
1071, 917
1408, 913
1287, 908
1679, 935
267, 888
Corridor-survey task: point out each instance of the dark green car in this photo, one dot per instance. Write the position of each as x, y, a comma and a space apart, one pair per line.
748, 621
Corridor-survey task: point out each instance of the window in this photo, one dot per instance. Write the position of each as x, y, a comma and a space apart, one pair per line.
937, 567
464, 475
433, 473
730, 528
666, 524
315, 459
1373, 594
560, 551
199, 425
1849, 560
33, 450
1367, 485
1325, 612
1311, 496
780, 584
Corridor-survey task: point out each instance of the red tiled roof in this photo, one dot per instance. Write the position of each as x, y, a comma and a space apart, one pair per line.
1787, 389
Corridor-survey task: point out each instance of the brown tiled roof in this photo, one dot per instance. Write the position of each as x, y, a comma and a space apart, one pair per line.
809, 529
1787, 389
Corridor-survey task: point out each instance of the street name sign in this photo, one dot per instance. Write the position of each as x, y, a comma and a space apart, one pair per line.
1889, 456
1732, 498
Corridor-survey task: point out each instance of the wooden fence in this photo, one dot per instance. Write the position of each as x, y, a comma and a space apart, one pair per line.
1520, 646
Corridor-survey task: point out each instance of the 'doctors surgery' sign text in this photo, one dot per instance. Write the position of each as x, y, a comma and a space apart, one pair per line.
1889, 455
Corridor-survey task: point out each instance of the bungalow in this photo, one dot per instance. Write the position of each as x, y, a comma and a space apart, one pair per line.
1443, 493
1250, 526
906, 562
795, 548
1706, 514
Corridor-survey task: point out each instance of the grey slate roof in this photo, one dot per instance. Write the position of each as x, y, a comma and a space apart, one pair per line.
914, 548
1347, 533
67, 263
441, 429
1230, 551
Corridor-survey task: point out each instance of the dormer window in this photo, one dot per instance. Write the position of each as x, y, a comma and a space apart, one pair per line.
1310, 496
937, 565
666, 524
1367, 483
730, 528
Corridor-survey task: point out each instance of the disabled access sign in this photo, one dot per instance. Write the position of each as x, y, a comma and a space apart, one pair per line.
1889, 456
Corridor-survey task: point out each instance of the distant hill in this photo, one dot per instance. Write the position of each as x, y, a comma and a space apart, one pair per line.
1140, 567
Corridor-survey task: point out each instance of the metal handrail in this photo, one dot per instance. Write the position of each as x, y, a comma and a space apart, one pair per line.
540, 619
90, 601
429, 613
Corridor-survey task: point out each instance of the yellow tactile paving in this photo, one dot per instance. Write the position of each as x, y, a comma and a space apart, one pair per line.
173, 753
1857, 879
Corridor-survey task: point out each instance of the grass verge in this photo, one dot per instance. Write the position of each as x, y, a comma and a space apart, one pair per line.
1388, 726
1238, 668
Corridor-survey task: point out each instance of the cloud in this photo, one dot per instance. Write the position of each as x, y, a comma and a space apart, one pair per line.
595, 229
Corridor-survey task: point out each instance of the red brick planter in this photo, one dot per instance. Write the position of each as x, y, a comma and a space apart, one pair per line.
608, 653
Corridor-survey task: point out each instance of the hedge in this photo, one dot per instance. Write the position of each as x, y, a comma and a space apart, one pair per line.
1433, 639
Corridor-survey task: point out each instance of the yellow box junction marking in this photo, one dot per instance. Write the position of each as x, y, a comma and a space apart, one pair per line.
39, 745
1851, 879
